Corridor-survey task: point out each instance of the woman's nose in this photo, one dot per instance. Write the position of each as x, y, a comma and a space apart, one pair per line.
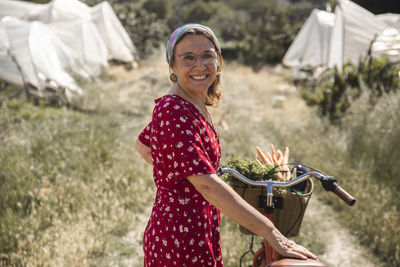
200, 63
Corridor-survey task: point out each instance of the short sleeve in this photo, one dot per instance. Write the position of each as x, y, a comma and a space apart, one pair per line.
179, 133
144, 135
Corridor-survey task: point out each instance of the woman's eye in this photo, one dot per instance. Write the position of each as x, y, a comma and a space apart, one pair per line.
207, 56
188, 58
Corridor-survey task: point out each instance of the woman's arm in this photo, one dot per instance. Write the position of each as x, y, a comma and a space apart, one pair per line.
222, 196
144, 151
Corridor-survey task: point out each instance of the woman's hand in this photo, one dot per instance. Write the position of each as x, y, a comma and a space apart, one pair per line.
222, 196
288, 248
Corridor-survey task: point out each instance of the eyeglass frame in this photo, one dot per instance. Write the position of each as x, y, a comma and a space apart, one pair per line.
197, 56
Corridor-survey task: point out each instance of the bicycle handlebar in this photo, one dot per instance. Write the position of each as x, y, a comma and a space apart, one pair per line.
346, 197
328, 182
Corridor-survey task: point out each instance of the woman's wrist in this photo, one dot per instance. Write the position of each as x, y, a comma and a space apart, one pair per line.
278, 241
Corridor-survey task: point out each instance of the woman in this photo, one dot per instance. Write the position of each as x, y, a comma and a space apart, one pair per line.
183, 146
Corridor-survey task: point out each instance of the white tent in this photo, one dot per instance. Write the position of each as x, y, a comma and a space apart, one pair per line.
328, 39
118, 43
31, 55
41, 45
387, 43
8, 69
355, 28
16, 8
87, 47
391, 19
311, 45
60, 10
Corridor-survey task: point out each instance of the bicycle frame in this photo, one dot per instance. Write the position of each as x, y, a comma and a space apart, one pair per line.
268, 256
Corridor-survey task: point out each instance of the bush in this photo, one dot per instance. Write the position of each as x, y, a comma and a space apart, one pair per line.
335, 93
259, 36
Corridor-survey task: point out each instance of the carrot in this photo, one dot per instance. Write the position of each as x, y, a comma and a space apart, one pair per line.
270, 158
262, 155
286, 156
279, 157
273, 153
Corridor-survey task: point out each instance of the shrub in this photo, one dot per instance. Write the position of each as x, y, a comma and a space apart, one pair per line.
335, 93
262, 36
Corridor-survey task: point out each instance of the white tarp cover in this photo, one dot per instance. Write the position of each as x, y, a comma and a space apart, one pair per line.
117, 40
16, 8
67, 35
311, 45
387, 43
114, 37
391, 19
88, 46
60, 10
8, 69
41, 56
323, 42
355, 28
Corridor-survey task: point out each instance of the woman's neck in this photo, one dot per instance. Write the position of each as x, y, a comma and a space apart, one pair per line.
196, 100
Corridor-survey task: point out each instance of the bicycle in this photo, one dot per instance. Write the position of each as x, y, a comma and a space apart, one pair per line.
266, 256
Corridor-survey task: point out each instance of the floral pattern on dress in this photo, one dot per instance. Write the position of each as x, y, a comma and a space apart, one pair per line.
184, 228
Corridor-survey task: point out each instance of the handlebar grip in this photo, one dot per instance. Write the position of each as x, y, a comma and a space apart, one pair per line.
346, 197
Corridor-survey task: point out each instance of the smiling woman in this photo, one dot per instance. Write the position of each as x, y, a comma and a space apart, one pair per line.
182, 144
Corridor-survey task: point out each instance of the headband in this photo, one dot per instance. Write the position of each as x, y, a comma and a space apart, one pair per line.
181, 30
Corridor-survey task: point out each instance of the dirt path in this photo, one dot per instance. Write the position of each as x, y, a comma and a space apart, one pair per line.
342, 249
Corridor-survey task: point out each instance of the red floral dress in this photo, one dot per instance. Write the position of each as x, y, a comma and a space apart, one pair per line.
184, 228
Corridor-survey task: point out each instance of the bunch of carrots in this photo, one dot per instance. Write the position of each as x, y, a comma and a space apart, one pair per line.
276, 158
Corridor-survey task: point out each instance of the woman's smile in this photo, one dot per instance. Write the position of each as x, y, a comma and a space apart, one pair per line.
202, 77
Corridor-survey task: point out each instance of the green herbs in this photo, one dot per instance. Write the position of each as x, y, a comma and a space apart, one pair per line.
249, 168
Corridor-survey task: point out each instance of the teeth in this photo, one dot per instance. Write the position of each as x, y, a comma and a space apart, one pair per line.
199, 77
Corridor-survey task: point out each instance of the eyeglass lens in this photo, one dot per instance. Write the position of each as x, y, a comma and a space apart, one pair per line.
206, 58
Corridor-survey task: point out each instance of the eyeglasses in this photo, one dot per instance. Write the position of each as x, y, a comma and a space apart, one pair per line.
207, 58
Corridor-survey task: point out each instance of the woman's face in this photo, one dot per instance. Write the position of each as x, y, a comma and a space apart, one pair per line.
195, 63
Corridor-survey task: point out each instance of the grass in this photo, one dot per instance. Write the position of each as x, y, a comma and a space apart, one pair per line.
74, 191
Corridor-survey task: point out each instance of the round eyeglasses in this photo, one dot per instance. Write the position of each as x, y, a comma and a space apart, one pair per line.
188, 59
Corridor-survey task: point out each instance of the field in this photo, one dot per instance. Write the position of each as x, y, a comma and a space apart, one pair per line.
75, 193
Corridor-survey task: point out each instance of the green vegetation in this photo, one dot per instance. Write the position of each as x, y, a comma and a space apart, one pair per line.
335, 93
373, 142
67, 178
74, 188
363, 100
249, 168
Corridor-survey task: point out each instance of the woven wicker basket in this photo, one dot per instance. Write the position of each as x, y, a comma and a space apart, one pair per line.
289, 207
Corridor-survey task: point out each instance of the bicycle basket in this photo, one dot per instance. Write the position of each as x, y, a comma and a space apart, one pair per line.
289, 207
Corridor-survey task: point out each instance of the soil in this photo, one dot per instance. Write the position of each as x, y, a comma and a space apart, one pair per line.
342, 249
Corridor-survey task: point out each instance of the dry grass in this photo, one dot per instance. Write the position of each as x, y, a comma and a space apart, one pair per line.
82, 195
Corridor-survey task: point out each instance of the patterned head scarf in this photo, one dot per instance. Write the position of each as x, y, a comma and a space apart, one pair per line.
181, 30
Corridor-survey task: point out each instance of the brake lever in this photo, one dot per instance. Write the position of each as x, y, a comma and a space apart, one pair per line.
329, 183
